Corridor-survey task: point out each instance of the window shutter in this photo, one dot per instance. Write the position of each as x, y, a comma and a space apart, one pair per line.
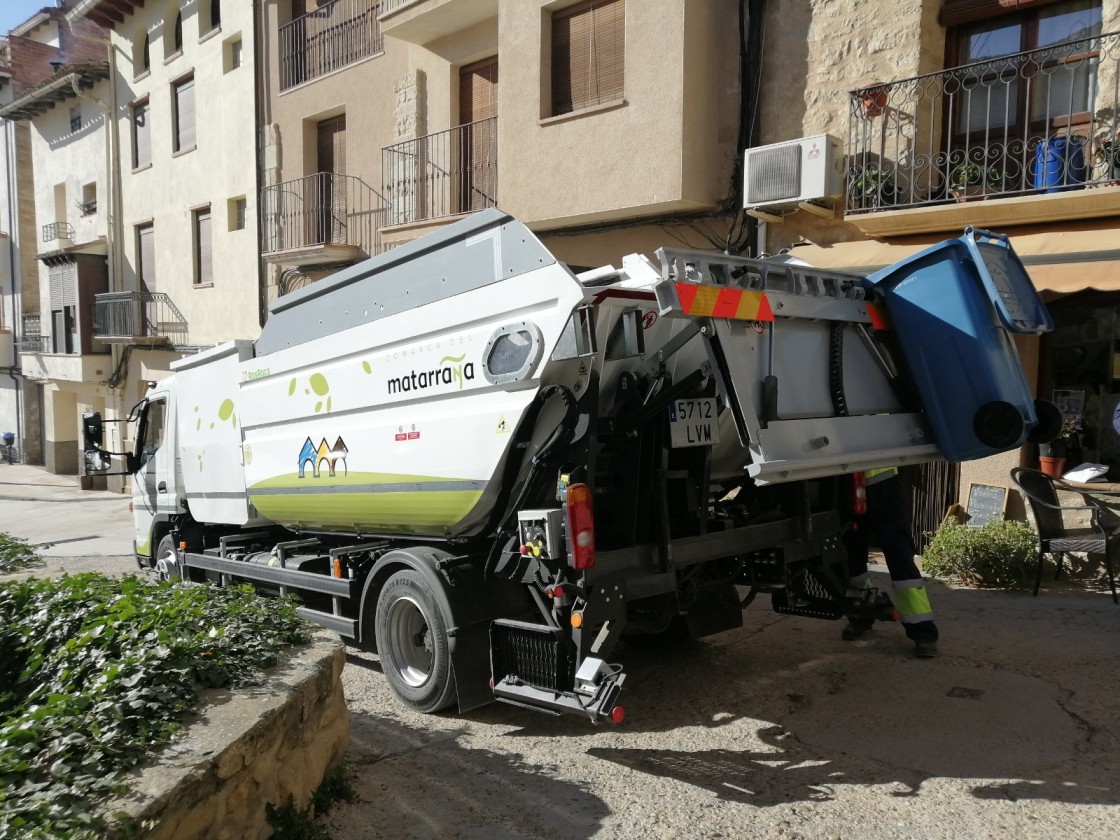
184, 117
205, 273
64, 285
142, 135
147, 250
478, 91
588, 54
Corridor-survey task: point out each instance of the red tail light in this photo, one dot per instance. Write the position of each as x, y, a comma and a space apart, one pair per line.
859, 494
581, 526
618, 714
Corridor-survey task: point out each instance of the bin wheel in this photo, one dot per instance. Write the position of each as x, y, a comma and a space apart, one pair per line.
1049, 422
998, 424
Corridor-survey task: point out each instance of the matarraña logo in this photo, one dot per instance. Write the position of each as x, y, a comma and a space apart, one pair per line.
451, 371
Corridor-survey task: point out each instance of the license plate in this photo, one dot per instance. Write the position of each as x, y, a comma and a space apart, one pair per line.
693, 423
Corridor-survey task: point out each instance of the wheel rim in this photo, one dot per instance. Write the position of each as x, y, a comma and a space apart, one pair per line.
167, 566
409, 642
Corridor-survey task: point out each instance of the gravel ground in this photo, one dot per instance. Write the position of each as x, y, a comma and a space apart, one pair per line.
779, 730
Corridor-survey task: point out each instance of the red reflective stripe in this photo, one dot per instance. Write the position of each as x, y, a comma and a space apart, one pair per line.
727, 303
879, 318
765, 313
704, 300
686, 292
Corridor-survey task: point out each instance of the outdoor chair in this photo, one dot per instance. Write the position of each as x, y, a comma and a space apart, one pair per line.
1054, 537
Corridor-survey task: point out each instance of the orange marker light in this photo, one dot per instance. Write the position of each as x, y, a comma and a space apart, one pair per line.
577, 620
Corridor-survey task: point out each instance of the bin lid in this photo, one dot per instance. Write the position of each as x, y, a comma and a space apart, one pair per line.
1000, 271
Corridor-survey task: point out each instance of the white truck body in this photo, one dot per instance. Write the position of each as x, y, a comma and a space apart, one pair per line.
426, 414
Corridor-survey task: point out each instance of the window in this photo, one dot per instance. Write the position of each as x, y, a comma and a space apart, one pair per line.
146, 257
88, 204
587, 55
232, 54
141, 135
215, 7
178, 35
75, 118
203, 257
142, 56
1056, 84
151, 433
182, 96
236, 213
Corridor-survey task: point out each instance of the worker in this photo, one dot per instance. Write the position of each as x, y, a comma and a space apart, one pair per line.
886, 517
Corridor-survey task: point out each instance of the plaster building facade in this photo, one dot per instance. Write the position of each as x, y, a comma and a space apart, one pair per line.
384, 120
55, 143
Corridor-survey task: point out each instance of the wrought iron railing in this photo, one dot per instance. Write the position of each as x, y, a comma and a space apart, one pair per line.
327, 39
58, 230
1041, 121
31, 338
321, 209
138, 315
442, 174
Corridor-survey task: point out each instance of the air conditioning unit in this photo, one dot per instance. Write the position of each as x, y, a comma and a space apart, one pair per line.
784, 175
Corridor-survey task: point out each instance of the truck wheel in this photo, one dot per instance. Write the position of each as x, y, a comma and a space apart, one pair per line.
166, 562
412, 643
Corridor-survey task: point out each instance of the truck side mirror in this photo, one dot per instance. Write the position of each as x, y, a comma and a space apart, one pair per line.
92, 431
97, 461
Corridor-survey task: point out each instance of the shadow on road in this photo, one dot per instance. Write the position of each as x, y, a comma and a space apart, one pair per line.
422, 783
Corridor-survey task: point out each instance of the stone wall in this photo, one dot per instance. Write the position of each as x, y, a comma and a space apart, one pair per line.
246, 750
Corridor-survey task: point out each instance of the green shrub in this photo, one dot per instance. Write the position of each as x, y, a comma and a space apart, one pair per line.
1000, 553
95, 672
16, 554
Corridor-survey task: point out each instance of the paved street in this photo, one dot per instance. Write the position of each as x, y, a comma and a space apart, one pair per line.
776, 730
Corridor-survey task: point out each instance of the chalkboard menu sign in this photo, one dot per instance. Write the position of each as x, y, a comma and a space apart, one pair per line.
986, 503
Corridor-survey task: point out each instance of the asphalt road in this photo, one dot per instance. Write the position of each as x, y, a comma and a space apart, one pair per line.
777, 730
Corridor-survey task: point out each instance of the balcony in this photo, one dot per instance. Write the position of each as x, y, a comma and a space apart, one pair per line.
442, 174
423, 21
31, 339
61, 232
321, 219
327, 39
1039, 131
149, 318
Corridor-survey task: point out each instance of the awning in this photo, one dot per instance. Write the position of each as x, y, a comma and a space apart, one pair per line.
1060, 259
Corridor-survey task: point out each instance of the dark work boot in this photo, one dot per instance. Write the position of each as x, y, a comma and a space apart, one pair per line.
856, 629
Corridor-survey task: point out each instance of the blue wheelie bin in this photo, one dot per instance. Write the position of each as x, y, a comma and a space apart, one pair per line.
954, 307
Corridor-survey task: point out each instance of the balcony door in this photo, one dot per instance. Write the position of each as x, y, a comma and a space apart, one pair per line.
1033, 79
476, 164
327, 193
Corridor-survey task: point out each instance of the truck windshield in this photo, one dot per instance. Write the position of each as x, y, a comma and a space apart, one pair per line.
151, 430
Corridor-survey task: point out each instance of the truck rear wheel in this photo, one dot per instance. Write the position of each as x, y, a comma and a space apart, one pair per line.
412, 643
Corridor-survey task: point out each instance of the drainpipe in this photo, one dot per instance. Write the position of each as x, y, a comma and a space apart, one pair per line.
112, 171
17, 307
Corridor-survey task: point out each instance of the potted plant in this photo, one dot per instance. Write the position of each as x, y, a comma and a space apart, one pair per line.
1106, 154
1052, 456
966, 181
874, 187
873, 99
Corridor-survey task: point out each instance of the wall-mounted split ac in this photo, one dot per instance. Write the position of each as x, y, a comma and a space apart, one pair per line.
806, 173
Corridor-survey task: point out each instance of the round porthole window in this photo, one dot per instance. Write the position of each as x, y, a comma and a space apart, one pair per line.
511, 353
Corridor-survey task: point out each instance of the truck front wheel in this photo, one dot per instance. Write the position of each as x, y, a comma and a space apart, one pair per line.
412, 643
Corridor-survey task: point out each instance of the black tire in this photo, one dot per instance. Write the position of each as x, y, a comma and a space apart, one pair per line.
165, 562
412, 643
1049, 422
998, 424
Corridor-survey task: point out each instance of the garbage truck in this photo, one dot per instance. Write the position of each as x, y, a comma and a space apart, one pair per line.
493, 470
